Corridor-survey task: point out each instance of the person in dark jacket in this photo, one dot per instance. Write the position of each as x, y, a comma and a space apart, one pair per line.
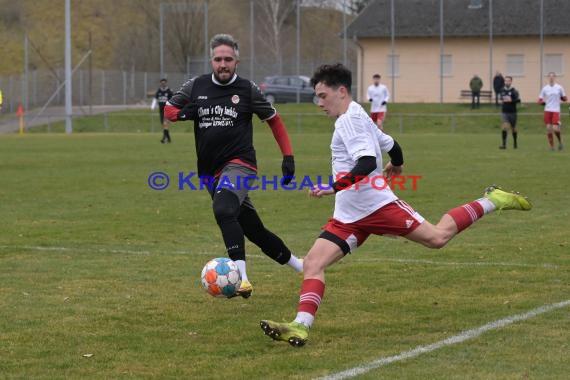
498, 84
475, 84
510, 97
163, 95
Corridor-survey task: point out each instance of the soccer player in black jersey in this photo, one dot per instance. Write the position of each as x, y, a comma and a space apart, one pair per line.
163, 95
222, 105
509, 97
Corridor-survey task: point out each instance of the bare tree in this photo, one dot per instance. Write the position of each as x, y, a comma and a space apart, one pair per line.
349, 6
357, 6
183, 29
276, 13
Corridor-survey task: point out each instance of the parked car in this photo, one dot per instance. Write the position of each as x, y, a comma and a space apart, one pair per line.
284, 88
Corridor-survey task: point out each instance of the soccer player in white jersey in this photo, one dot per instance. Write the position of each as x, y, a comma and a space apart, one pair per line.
550, 96
362, 209
378, 95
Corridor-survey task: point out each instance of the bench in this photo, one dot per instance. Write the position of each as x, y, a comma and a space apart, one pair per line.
483, 94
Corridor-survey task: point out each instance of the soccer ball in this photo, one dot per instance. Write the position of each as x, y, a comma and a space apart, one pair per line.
221, 277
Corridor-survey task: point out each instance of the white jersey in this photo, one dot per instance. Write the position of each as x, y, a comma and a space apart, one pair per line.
552, 96
378, 94
356, 136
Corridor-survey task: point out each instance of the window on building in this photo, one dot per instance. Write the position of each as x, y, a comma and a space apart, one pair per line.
446, 65
553, 63
515, 64
393, 66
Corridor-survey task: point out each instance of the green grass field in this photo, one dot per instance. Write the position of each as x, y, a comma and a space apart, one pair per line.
100, 274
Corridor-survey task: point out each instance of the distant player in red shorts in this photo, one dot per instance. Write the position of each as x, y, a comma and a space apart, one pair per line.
551, 96
378, 95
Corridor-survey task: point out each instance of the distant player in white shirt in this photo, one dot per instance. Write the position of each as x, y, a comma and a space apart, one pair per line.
551, 96
378, 96
363, 205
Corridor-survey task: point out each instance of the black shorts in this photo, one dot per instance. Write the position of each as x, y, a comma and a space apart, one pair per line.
510, 118
238, 179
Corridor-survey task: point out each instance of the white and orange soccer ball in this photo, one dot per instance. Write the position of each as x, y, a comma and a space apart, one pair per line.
221, 277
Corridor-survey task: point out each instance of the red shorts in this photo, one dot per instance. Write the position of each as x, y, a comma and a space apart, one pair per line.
551, 117
377, 116
396, 218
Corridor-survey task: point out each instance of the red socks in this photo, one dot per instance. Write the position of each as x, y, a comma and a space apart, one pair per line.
466, 215
312, 291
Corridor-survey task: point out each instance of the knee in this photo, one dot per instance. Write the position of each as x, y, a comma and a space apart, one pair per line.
438, 244
310, 266
225, 206
435, 242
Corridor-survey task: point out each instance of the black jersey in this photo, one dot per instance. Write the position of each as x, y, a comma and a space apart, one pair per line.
163, 95
510, 107
223, 127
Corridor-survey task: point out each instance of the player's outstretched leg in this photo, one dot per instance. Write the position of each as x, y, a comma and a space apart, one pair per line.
296, 334
507, 200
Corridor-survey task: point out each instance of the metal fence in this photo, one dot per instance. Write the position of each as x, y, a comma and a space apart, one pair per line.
110, 87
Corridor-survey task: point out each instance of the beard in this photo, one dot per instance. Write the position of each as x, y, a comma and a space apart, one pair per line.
224, 76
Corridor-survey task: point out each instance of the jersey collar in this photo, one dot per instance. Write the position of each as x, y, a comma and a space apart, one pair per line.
224, 84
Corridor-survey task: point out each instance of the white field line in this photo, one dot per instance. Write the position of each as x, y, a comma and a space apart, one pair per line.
70, 249
105, 250
93, 249
352, 259
462, 337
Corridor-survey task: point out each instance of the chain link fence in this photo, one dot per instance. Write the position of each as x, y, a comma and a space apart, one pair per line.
116, 87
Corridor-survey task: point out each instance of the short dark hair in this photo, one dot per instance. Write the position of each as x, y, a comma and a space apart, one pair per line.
510, 77
333, 76
223, 39
376, 76
164, 80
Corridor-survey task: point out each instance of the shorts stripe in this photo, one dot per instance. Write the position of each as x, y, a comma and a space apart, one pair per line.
406, 207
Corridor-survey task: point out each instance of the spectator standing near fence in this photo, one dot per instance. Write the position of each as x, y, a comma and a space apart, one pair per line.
510, 97
550, 97
475, 84
1, 100
163, 95
378, 95
498, 84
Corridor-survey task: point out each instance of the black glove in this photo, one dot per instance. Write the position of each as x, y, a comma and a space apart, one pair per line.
370, 100
188, 112
288, 169
383, 103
